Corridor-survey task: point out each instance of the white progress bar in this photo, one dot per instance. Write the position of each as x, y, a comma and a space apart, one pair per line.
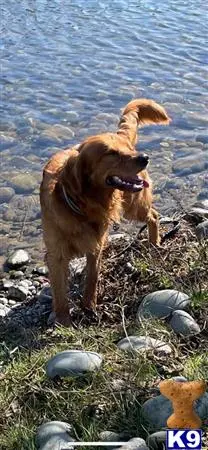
96, 444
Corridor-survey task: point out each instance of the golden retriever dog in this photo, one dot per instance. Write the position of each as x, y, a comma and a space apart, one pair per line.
85, 189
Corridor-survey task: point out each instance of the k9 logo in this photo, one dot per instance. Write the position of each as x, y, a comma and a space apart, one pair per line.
184, 439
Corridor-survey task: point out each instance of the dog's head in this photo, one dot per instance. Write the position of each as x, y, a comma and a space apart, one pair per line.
109, 161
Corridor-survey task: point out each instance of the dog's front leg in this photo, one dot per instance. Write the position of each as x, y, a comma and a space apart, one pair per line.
91, 280
153, 227
58, 273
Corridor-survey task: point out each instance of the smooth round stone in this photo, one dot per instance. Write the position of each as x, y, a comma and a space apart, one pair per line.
6, 193
202, 230
144, 343
135, 444
18, 258
110, 436
162, 303
156, 441
182, 323
201, 406
156, 411
53, 435
73, 363
23, 183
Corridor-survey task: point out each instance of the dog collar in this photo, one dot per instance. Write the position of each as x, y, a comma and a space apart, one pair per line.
71, 203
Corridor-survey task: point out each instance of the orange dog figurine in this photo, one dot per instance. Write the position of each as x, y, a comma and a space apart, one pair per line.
182, 396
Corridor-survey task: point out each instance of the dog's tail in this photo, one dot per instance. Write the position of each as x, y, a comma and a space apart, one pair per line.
141, 112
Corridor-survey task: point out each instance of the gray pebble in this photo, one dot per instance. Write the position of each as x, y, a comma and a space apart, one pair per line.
156, 411
182, 323
6, 284
18, 258
73, 363
17, 274
110, 436
156, 441
11, 302
42, 270
18, 292
144, 343
25, 283
162, 303
3, 301
4, 310
54, 435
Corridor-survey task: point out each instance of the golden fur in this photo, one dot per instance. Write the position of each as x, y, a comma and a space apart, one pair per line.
83, 171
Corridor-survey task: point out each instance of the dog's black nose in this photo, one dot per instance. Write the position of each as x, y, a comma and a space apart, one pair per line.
143, 160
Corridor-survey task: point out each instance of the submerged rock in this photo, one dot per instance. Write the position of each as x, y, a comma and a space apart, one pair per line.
6, 193
23, 183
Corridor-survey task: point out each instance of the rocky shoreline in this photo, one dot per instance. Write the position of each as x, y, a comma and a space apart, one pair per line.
161, 317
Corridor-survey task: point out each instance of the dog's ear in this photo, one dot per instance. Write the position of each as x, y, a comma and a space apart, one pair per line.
138, 113
71, 174
80, 170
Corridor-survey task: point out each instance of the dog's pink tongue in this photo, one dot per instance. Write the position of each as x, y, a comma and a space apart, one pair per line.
145, 183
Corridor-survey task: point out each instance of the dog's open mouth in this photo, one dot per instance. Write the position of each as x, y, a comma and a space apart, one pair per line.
135, 184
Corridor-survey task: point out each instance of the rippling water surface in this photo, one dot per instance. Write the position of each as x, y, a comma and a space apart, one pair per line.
67, 69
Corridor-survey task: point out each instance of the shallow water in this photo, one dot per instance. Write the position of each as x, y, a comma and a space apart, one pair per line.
67, 69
